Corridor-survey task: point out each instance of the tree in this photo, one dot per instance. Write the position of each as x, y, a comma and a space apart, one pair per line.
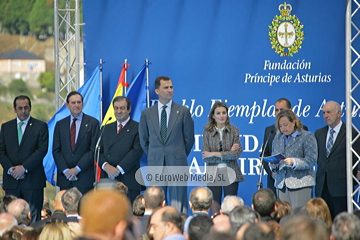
15, 16
47, 81
41, 17
18, 86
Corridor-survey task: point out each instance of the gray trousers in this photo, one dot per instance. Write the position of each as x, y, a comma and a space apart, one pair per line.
296, 197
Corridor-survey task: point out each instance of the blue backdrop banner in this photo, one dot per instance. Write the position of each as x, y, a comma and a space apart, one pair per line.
245, 53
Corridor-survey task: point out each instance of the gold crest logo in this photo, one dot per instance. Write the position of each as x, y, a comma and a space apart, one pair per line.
285, 32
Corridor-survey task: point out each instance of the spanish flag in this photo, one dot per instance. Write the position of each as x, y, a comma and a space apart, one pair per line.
118, 92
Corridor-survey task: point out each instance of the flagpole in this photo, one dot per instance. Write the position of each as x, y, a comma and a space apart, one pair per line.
101, 98
125, 78
147, 83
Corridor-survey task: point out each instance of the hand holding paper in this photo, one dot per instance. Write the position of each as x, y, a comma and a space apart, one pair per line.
274, 159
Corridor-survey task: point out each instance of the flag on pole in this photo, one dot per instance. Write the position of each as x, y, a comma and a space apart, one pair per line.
137, 94
119, 92
91, 94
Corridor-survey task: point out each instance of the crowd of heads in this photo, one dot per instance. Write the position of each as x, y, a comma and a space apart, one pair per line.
108, 214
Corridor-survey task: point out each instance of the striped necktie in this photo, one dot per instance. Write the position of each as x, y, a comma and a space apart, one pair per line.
163, 124
330, 142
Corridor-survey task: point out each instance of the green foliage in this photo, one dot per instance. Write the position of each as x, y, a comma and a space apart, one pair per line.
18, 86
41, 19
47, 81
42, 112
3, 90
15, 15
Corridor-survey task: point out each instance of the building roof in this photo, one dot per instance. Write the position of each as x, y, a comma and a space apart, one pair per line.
19, 54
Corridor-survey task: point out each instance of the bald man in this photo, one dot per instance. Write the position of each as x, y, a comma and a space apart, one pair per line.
166, 224
200, 202
331, 174
20, 209
58, 212
102, 218
7, 221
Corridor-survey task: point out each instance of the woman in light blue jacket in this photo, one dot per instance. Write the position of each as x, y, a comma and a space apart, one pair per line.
295, 175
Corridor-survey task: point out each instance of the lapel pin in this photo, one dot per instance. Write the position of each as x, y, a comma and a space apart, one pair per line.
86, 125
127, 130
30, 124
177, 111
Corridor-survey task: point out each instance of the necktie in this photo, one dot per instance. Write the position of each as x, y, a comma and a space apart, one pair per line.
19, 131
163, 125
73, 134
330, 142
120, 127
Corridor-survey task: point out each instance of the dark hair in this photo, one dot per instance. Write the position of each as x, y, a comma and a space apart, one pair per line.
282, 209
121, 187
259, 231
198, 226
173, 217
121, 98
47, 211
22, 97
304, 228
287, 102
154, 196
138, 208
290, 115
70, 200
203, 202
158, 81
5, 201
14, 233
264, 202
212, 123
72, 94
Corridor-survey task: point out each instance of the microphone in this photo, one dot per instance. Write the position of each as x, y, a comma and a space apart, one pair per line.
259, 184
97, 151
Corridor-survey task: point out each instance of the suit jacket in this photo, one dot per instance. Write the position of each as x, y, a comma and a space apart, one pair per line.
179, 139
268, 148
122, 149
303, 149
83, 154
58, 214
334, 164
29, 153
211, 141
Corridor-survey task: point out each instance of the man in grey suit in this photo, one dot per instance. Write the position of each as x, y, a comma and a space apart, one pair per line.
331, 173
166, 133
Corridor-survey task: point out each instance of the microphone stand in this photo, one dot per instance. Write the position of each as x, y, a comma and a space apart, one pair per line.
260, 184
97, 152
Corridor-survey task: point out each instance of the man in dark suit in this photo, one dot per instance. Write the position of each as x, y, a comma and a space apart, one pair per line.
73, 149
57, 214
154, 197
166, 133
331, 173
23, 145
120, 147
269, 135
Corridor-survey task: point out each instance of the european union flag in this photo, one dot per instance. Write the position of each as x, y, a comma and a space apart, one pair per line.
137, 94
